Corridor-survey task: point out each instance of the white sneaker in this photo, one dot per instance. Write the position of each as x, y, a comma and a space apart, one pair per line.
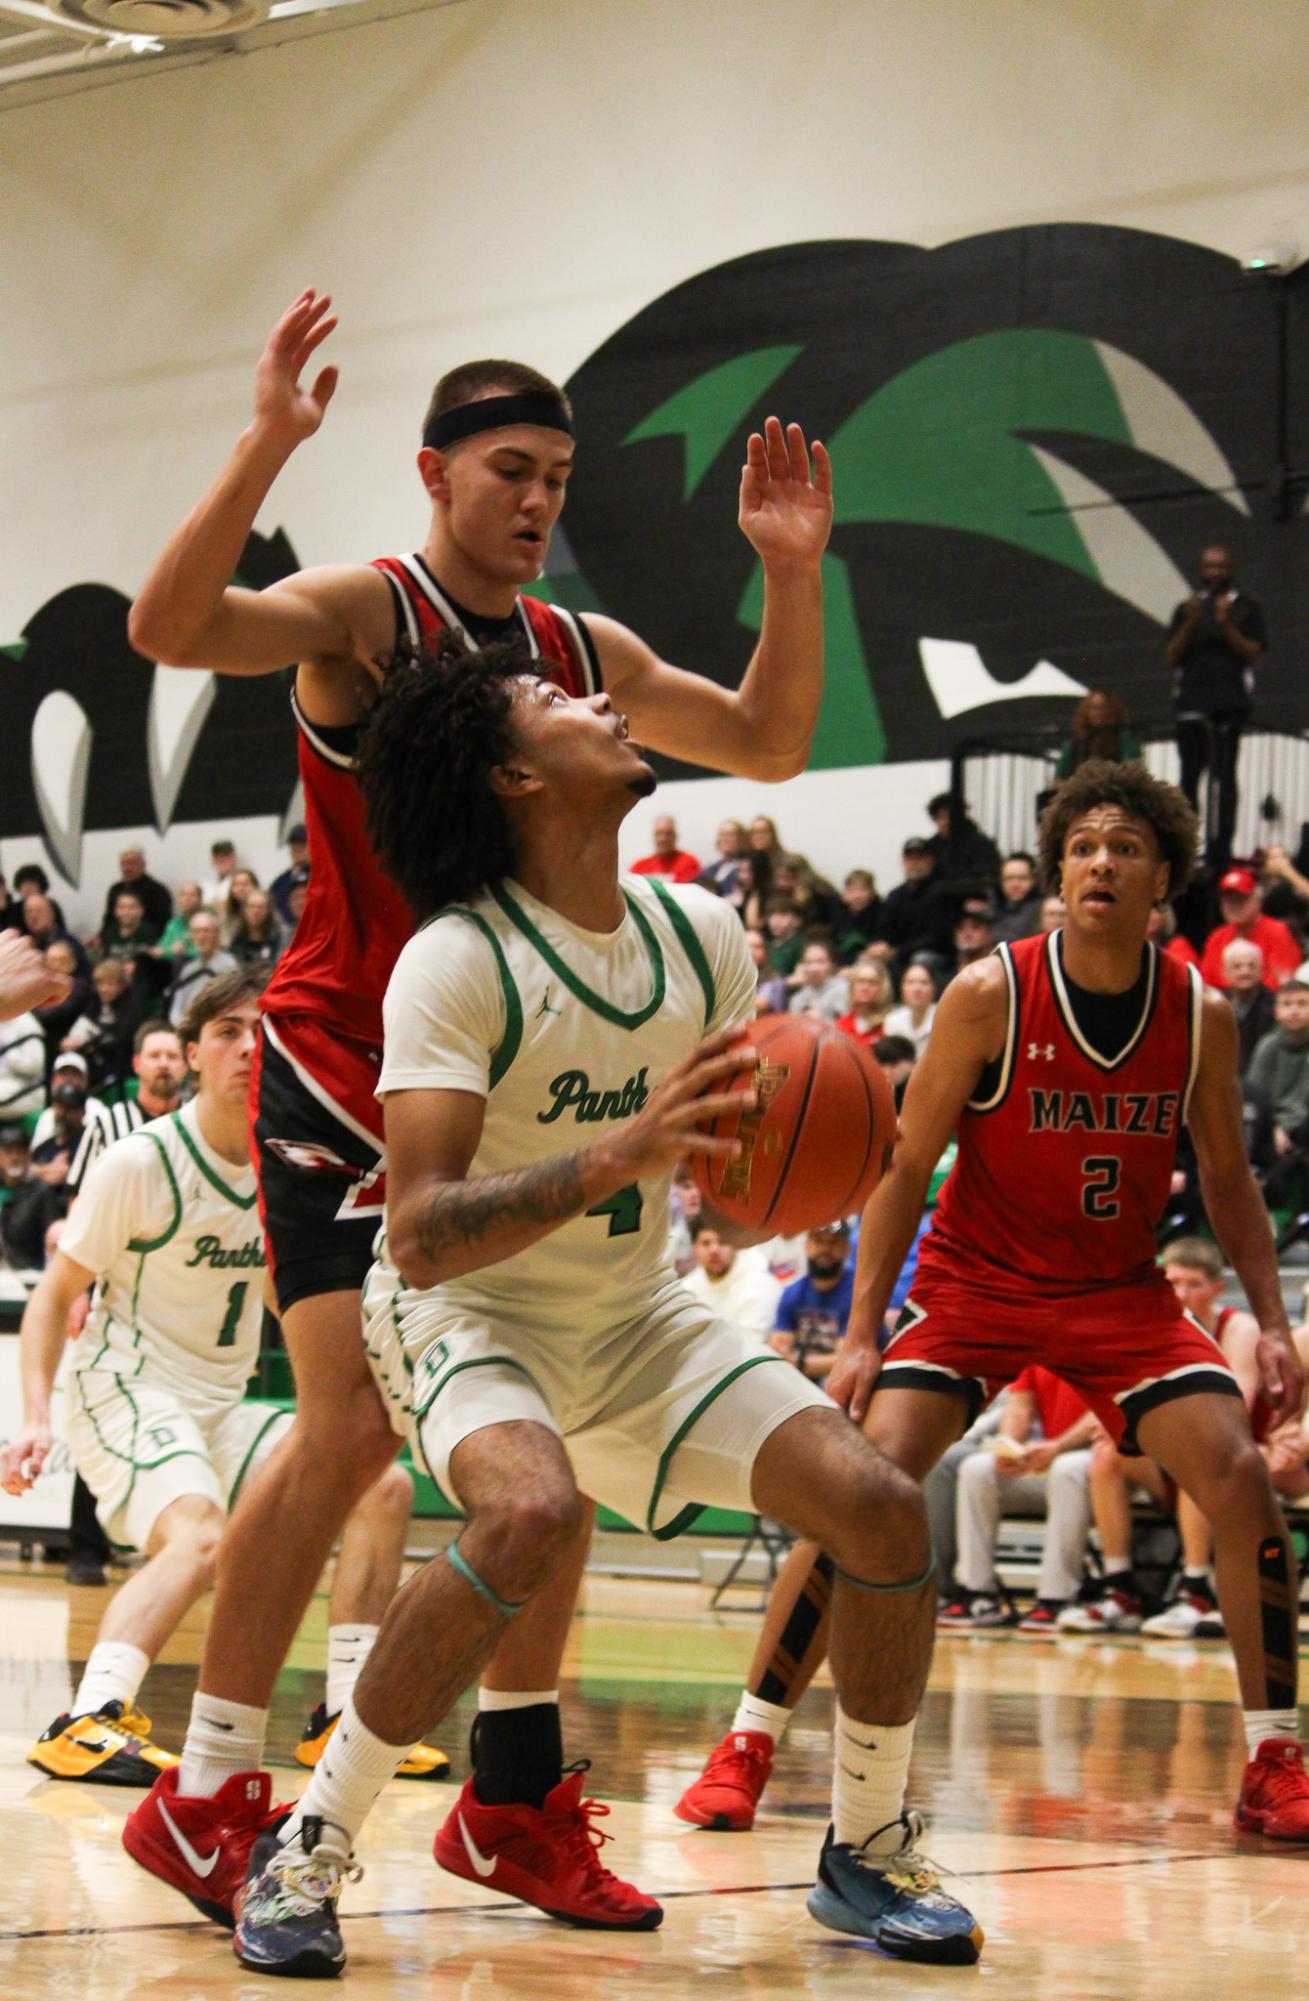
1179, 1620
1114, 1611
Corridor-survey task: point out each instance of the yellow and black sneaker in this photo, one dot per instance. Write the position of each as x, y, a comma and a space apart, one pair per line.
423, 1762
110, 1748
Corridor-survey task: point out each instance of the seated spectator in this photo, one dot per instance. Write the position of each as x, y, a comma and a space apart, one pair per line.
736, 1285
897, 1056
974, 932
258, 935
965, 856
820, 987
814, 1310
213, 892
209, 961
1161, 929
765, 843
45, 927
11, 908
860, 919
128, 933
1020, 899
869, 987
156, 900
52, 1155
1053, 913
22, 1067
916, 914
785, 935
1240, 902
744, 894
917, 1010
176, 943
1248, 997
104, 1033
773, 995
22, 1201
297, 842
69, 1068
297, 899
1285, 891
816, 900
242, 881
674, 864
684, 1204
1100, 729
1280, 1069
1016, 1473
32, 880
731, 845
57, 1017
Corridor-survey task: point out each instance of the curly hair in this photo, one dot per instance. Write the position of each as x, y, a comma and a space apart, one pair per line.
436, 732
1136, 792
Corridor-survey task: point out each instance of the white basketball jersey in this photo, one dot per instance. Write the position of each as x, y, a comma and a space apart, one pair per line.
566, 1032
172, 1231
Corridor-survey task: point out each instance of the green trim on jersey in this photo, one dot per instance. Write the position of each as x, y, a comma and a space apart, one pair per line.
690, 944
130, 1458
215, 1180
477, 1362
693, 1509
578, 988
507, 1048
274, 1416
157, 1243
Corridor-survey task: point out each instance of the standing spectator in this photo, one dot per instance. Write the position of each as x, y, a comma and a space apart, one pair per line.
1280, 1069
210, 960
222, 856
57, 1016
258, 935
821, 987
859, 920
297, 842
814, 1309
1020, 899
731, 843
156, 900
176, 943
1249, 998
1100, 729
22, 1067
1240, 902
916, 914
917, 1010
965, 856
1014, 1473
869, 987
674, 864
735, 1285
1214, 643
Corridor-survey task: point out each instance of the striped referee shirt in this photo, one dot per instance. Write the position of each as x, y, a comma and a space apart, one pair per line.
104, 1124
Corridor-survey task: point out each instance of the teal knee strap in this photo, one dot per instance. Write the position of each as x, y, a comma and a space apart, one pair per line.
465, 1569
913, 1584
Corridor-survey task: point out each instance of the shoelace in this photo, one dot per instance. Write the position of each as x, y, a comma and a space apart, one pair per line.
904, 1867
1284, 1778
735, 1761
309, 1881
582, 1840
135, 1723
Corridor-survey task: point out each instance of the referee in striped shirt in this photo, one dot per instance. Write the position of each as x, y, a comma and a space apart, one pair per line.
160, 1071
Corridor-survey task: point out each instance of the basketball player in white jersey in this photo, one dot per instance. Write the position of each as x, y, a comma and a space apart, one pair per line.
553, 1035
167, 1227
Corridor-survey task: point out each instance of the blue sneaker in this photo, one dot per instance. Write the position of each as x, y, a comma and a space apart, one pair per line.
286, 1913
895, 1899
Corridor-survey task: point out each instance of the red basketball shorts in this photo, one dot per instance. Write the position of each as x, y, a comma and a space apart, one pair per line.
1124, 1349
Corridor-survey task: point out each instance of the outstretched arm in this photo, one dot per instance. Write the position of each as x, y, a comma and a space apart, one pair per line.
189, 614
764, 728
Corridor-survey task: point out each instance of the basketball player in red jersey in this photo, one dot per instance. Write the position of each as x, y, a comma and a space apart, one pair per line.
497, 453
1066, 1065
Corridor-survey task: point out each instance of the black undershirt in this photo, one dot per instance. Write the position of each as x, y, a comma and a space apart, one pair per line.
1109, 1021
486, 631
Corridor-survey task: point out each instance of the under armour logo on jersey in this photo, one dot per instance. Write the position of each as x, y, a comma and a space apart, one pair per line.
545, 1007
1036, 1053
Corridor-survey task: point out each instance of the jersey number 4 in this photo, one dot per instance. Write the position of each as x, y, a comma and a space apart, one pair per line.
1100, 1187
623, 1210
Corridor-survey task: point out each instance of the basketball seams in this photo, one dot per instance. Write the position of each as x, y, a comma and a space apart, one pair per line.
852, 1056
797, 1129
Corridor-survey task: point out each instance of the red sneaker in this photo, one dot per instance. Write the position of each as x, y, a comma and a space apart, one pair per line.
200, 1846
1274, 1797
727, 1791
547, 1856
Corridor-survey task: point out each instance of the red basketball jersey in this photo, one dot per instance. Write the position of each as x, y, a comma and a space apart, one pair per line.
1064, 1165
355, 920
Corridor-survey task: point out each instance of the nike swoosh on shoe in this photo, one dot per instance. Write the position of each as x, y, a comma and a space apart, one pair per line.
203, 1865
480, 1862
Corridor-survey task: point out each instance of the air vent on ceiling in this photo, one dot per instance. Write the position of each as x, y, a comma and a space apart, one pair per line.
167, 20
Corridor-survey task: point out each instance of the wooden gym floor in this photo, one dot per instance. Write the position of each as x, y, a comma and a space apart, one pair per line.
1084, 1788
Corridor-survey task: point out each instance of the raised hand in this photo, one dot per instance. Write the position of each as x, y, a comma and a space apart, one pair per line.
786, 508
283, 409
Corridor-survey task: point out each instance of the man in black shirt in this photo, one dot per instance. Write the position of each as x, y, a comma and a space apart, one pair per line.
156, 899
1214, 641
915, 918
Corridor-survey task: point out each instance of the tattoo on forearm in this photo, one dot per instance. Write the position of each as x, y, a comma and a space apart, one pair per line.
461, 1213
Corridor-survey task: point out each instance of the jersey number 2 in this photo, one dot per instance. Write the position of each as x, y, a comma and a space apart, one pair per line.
1100, 1187
232, 1317
623, 1210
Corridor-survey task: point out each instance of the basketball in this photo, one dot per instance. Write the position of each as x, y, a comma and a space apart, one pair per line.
817, 1142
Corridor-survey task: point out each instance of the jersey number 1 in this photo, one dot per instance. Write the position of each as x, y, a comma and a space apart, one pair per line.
623, 1210
232, 1317
1100, 1187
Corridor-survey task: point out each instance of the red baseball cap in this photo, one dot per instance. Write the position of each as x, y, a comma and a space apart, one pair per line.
1239, 881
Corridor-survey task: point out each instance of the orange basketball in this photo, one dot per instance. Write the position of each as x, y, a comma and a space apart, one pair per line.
819, 1138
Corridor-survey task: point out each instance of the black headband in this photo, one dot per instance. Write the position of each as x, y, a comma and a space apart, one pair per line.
493, 413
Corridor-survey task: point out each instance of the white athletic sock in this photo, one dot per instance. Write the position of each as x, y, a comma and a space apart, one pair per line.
871, 1776
222, 1738
114, 1673
753, 1713
1261, 1724
516, 1698
348, 1647
347, 1778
